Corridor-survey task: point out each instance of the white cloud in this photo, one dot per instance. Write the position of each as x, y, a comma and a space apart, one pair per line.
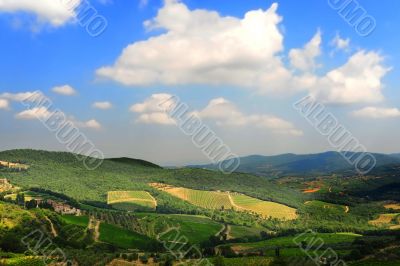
220, 110
4, 104
19, 97
91, 124
151, 110
225, 113
34, 113
202, 47
102, 105
357, 81
377, 113
66, 90
304, 59
341, 44
54, 12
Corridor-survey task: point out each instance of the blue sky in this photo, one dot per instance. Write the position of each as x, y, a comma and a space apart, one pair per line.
45, 47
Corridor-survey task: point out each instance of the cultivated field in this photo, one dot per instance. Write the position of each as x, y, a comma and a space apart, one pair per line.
391, 220
264, 208
228, 200
328, 206
393, 206
131, 200
14, 165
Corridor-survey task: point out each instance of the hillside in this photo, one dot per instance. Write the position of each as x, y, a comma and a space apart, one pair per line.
63, 172
301, 165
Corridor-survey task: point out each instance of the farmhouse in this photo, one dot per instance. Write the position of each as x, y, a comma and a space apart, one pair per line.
64, 208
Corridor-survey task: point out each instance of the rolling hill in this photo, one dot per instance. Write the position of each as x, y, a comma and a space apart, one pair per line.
300, 165
62, 172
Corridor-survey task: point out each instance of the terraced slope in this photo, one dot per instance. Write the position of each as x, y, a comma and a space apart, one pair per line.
228, 200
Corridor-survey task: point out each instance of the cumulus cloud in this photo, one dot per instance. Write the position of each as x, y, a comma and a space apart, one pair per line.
377, 113
220, 110
357, 81
34, 113
91, 124
203, 47
225, 113
66, 90
4, 104
56, 13
341, 44
102, 105
151, 111
20, 96
304, 59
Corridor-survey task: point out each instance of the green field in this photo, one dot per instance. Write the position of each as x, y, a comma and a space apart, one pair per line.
24, 261
248, 261
123, 238
131, 200
244, 231
195, 229
291, 241
76, 220
327, 206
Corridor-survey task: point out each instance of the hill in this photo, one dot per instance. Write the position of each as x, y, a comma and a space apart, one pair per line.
301, 165
134, 162
64, 173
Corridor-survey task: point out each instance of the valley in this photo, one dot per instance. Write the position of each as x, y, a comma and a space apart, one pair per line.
133, 211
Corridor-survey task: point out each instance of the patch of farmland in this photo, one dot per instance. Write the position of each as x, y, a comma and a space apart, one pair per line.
391, 220
328, 206
393, 206
264, 208
228, 200
131, 200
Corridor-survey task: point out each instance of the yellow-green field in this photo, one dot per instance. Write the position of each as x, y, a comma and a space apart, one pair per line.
328, 206
392, 206
228, 200
390, 220
264, 208
131, 200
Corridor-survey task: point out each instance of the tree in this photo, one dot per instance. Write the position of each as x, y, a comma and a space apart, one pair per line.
31, 204
20, 199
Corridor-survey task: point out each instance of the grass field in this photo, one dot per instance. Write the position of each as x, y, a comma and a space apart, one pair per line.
195, 228
238, 231
131, 200
24, 261
248, 261
76, 220
328, 206
228, 200
30, 195
122, 238
291, 241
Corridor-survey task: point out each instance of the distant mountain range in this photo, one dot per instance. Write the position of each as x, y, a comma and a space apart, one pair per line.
300, 165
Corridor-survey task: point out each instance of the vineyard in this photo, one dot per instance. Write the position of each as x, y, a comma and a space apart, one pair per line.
227, 200
131, 200
264, 208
